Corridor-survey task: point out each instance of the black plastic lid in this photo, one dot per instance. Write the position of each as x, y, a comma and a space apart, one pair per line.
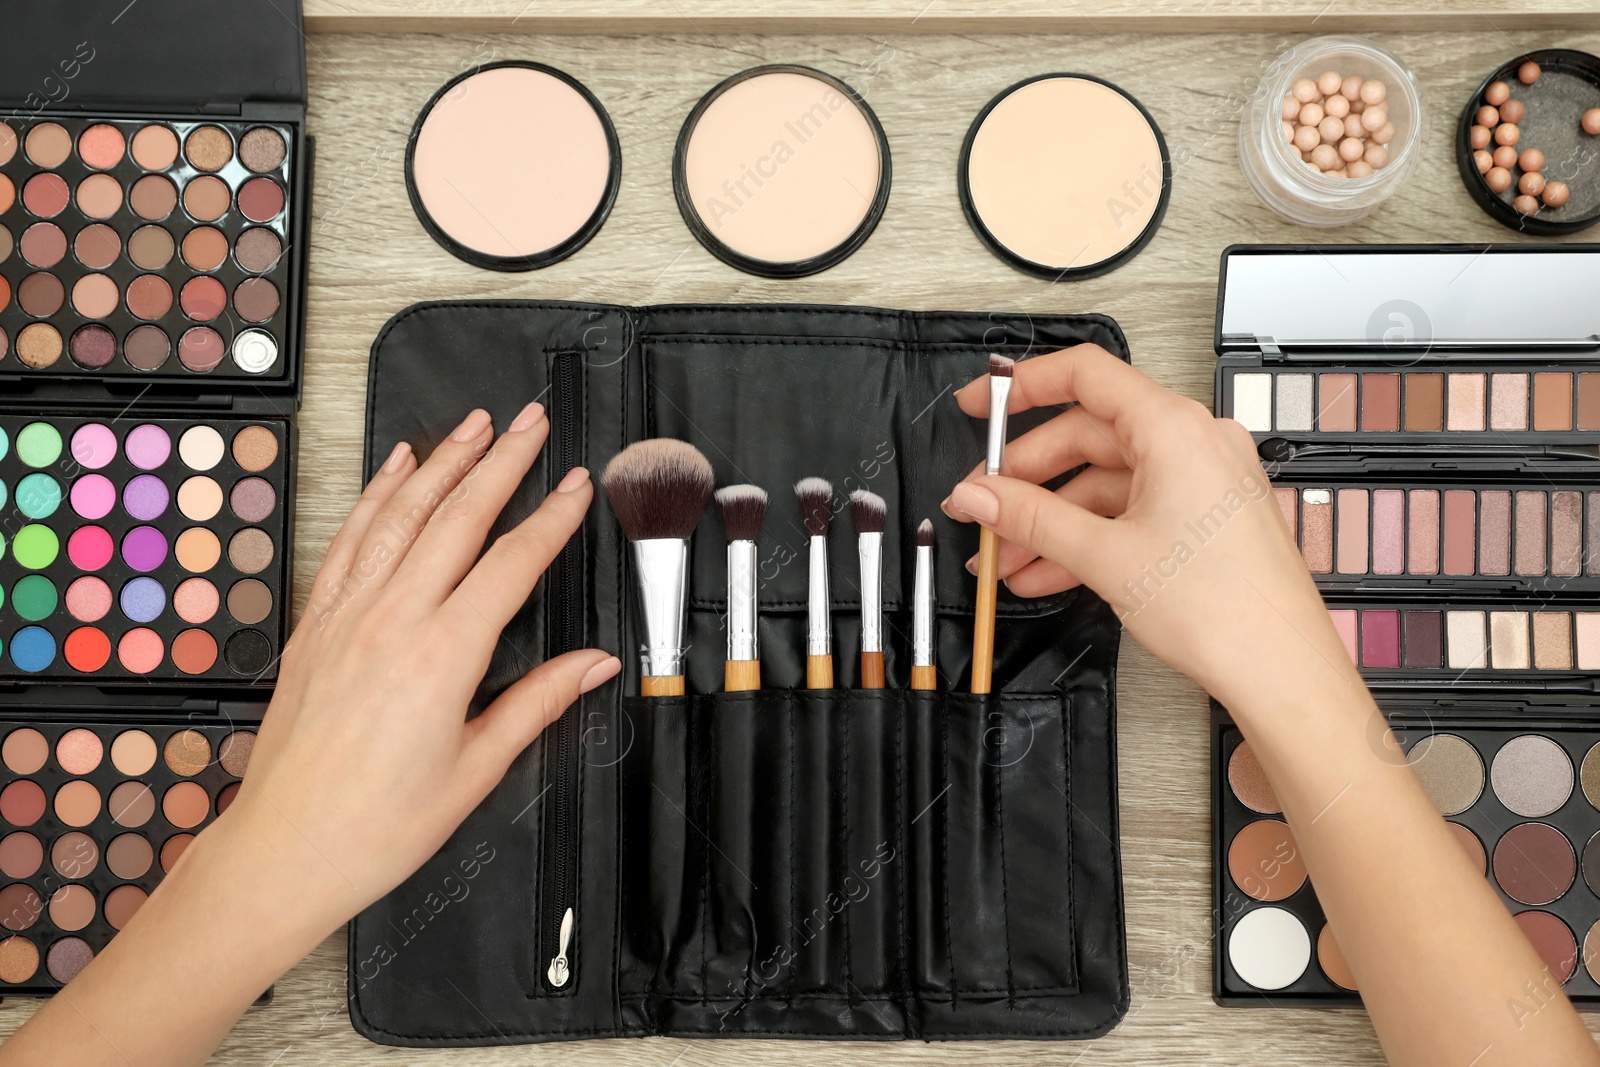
191, 55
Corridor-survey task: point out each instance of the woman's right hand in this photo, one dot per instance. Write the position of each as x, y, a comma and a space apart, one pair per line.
1173, 522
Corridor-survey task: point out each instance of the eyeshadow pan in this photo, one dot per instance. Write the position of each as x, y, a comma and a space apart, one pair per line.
93, 345
1269, 948
1460, 531
256, 300
200, 348
1532, 775
1566, 534
129, 856
133, 752
1553, 940
1508, 402
1294, 402
249, 601
1552, 640
1471, 846
1316, 519
1388, 531
132, 804
1531, 509
39, 345
201, 449
150, 247
1344, 624
77, 803
20, 906
94, 296
121, 904
8, 143
1422, 556
1264, 862
46, 195
24, 751
1466, 402
1336, 398
207, 199
149, 297
43, 244
198, 550
1424, 402
204, 248
208, 148
155, 147
1289, 504
101, 146
1494, 536
260, 199
1552, 401
1466, 639
1588, 400
67, 957
22, 803
48, 144
172, 850
194, 652
79, 751
153, 198
236, 749
1588, 627
99, 196
147, 348
257, 250
75, 855
1450, 770
1508, 640
97, 246
262, 149
21, 855
196, 600
1352, 531
250, 551
255, 448
1380, 639
186, 805
1534, 863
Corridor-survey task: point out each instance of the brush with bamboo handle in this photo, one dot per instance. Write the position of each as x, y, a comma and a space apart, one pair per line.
924, 675
658, 490
1000, 371
816, 510
742, 507
869, 512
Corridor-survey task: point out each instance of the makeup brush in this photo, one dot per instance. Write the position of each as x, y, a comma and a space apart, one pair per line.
869, 511
1000, 371
743, 507
923, 675
658, 490
816, 509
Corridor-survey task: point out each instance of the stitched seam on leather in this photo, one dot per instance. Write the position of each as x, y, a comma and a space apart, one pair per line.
944, 867
793, 971
844, 851
1005, 880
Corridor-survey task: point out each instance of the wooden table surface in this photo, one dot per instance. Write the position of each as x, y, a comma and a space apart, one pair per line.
926, 80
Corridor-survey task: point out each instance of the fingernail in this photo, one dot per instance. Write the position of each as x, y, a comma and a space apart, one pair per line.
397, 458
954, 512
977, 501
527, 417
575, 477
972, 565
600, 674
472, 426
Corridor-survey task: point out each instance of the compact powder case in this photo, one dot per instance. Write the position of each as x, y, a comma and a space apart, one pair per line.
513, 166
1064, 176
1429, 417
781, 171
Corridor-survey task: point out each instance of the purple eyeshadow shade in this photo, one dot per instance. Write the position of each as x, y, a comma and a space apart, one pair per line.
148, 446
93, 496
253, 499
143, 599
1380, 639
146, 497
144, 548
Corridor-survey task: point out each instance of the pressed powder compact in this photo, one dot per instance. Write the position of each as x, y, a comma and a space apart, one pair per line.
781, 171
1429, 416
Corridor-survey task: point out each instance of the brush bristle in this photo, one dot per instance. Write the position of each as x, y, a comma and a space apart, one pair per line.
658, 488
743, 507
925, 534
1001, 366
868, 510
816, 504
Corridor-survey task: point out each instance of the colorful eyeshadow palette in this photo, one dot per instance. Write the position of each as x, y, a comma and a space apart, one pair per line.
1523, 799
143, 549
132, 248
1537, 539
92, 815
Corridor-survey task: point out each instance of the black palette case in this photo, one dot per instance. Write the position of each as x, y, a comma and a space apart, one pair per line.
784, 863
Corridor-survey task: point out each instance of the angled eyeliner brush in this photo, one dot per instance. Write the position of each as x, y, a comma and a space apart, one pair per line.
658, 490
1000, 371
743, 507
923, 674
816, 509
869, 512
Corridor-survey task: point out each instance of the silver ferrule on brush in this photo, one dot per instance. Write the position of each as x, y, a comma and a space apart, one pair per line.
871, 592
999, 399
742, 601
819, 620
663, 566
922, 609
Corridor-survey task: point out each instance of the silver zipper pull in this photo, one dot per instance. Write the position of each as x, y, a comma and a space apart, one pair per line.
560, 971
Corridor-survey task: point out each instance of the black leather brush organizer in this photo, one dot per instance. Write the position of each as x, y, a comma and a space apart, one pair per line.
786, 863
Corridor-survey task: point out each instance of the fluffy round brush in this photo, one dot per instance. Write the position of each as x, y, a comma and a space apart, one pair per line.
658, 490
816, 509
743, 508
923, 673
869, 512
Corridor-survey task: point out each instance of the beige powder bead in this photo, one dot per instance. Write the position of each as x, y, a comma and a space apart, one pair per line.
1359, 169
1373, 118
1331, 130
1310, 114
1306, 138
1336, 105
1305, 90
1377, 155
1329, 82
1291, 107
1373, 91
1351, 149
1384, 134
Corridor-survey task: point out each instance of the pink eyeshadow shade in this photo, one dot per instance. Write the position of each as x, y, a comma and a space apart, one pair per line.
1388, 531
94, 445
1353, 505
1344, 623
148, 446
1466, 402
141, 650
89, 548
1336, 396
93, 496
1380, 639
1423, 553
1494, 535
1287, 503
88, 599
1508, 402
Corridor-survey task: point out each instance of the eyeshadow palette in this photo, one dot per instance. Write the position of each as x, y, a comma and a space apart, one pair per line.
92, 815
1539, 539
143, 549
1523, 799
1430, 422
146, 247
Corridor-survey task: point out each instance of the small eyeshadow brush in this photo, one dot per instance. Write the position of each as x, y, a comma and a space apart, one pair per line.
658, 490
923, 674
743, 507
1000, 371
869, 512
816, 509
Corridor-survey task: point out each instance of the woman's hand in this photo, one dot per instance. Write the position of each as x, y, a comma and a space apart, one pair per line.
1173, 522
366, 757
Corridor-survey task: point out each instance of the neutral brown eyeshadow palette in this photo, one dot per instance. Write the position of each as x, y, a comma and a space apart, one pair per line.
143, 248
1429, 417
93, 814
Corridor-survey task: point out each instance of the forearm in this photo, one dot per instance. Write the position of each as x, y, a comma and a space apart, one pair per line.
231, 918
1439, 961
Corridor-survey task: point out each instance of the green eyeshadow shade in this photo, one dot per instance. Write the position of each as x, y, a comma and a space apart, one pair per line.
34, 598
38, 495
35, 546
38, 444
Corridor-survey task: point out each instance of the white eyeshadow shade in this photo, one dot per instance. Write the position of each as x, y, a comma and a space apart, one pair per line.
200, 448
514, 165
1294, 401
1252, 401
1465, 639
1269, 948
782, 167
1064, 174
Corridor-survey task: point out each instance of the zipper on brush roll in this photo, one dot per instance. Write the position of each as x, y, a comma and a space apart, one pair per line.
565, 629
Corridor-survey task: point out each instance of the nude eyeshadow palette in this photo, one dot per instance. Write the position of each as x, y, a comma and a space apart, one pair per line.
93, 814
1429, 417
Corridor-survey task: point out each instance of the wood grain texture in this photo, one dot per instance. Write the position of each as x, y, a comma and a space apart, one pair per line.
370, 258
